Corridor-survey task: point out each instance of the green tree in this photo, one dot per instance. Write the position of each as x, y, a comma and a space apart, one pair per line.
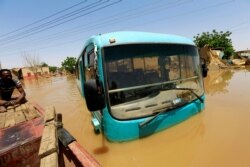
216, 40
69, 64
43, 64
52, 69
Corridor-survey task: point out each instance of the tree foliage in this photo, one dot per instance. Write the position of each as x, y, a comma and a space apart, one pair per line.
52, 69
69, 64
43, 64
216, 40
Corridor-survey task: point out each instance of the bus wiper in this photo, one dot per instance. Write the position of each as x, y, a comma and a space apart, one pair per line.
179, 88
174, 87
192, 91
175, 101
142, 124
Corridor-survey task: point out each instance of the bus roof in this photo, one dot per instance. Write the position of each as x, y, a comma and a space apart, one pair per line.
129, 37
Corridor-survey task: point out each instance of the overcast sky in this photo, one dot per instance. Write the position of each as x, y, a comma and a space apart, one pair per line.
55, 29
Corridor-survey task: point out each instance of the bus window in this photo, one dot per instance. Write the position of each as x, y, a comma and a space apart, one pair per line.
77, 70
174, 69
138, 72
89, 64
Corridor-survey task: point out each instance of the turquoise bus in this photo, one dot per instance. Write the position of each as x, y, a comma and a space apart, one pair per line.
139, 83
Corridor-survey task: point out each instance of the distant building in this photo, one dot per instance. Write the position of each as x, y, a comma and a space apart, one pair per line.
219, 52
244, 53
26, 72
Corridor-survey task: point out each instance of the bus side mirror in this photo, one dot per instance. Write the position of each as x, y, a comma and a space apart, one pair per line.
94, 95
204, 70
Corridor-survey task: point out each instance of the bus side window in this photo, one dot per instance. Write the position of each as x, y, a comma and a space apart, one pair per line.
89, 58
77, 70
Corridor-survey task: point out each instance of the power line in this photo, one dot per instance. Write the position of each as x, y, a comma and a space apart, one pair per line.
61, 18
45, 47
191, 12
63, 22
45, 18
240, 26
100, 22
132, 16
178, 15
115, 19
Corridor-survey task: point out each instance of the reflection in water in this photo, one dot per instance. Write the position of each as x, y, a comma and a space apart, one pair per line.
248, 68
218, 136
217, 81
103, 148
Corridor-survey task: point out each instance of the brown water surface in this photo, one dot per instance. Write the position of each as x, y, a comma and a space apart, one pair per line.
218, 136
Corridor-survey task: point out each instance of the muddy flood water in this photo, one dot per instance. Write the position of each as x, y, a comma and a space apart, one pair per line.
218, 136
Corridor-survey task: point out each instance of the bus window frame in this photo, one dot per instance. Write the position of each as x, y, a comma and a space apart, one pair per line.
89, 66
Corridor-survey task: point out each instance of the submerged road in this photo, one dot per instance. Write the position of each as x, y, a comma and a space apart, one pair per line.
218, 136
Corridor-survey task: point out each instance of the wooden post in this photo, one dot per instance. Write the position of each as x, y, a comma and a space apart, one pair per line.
10, 118
82, 155
68, 141
2, 119
59, 123
48, 151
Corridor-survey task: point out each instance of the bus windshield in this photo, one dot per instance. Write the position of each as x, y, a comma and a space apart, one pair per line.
144, 79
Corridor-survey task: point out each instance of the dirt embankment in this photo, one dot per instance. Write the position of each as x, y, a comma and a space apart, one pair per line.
214, 59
